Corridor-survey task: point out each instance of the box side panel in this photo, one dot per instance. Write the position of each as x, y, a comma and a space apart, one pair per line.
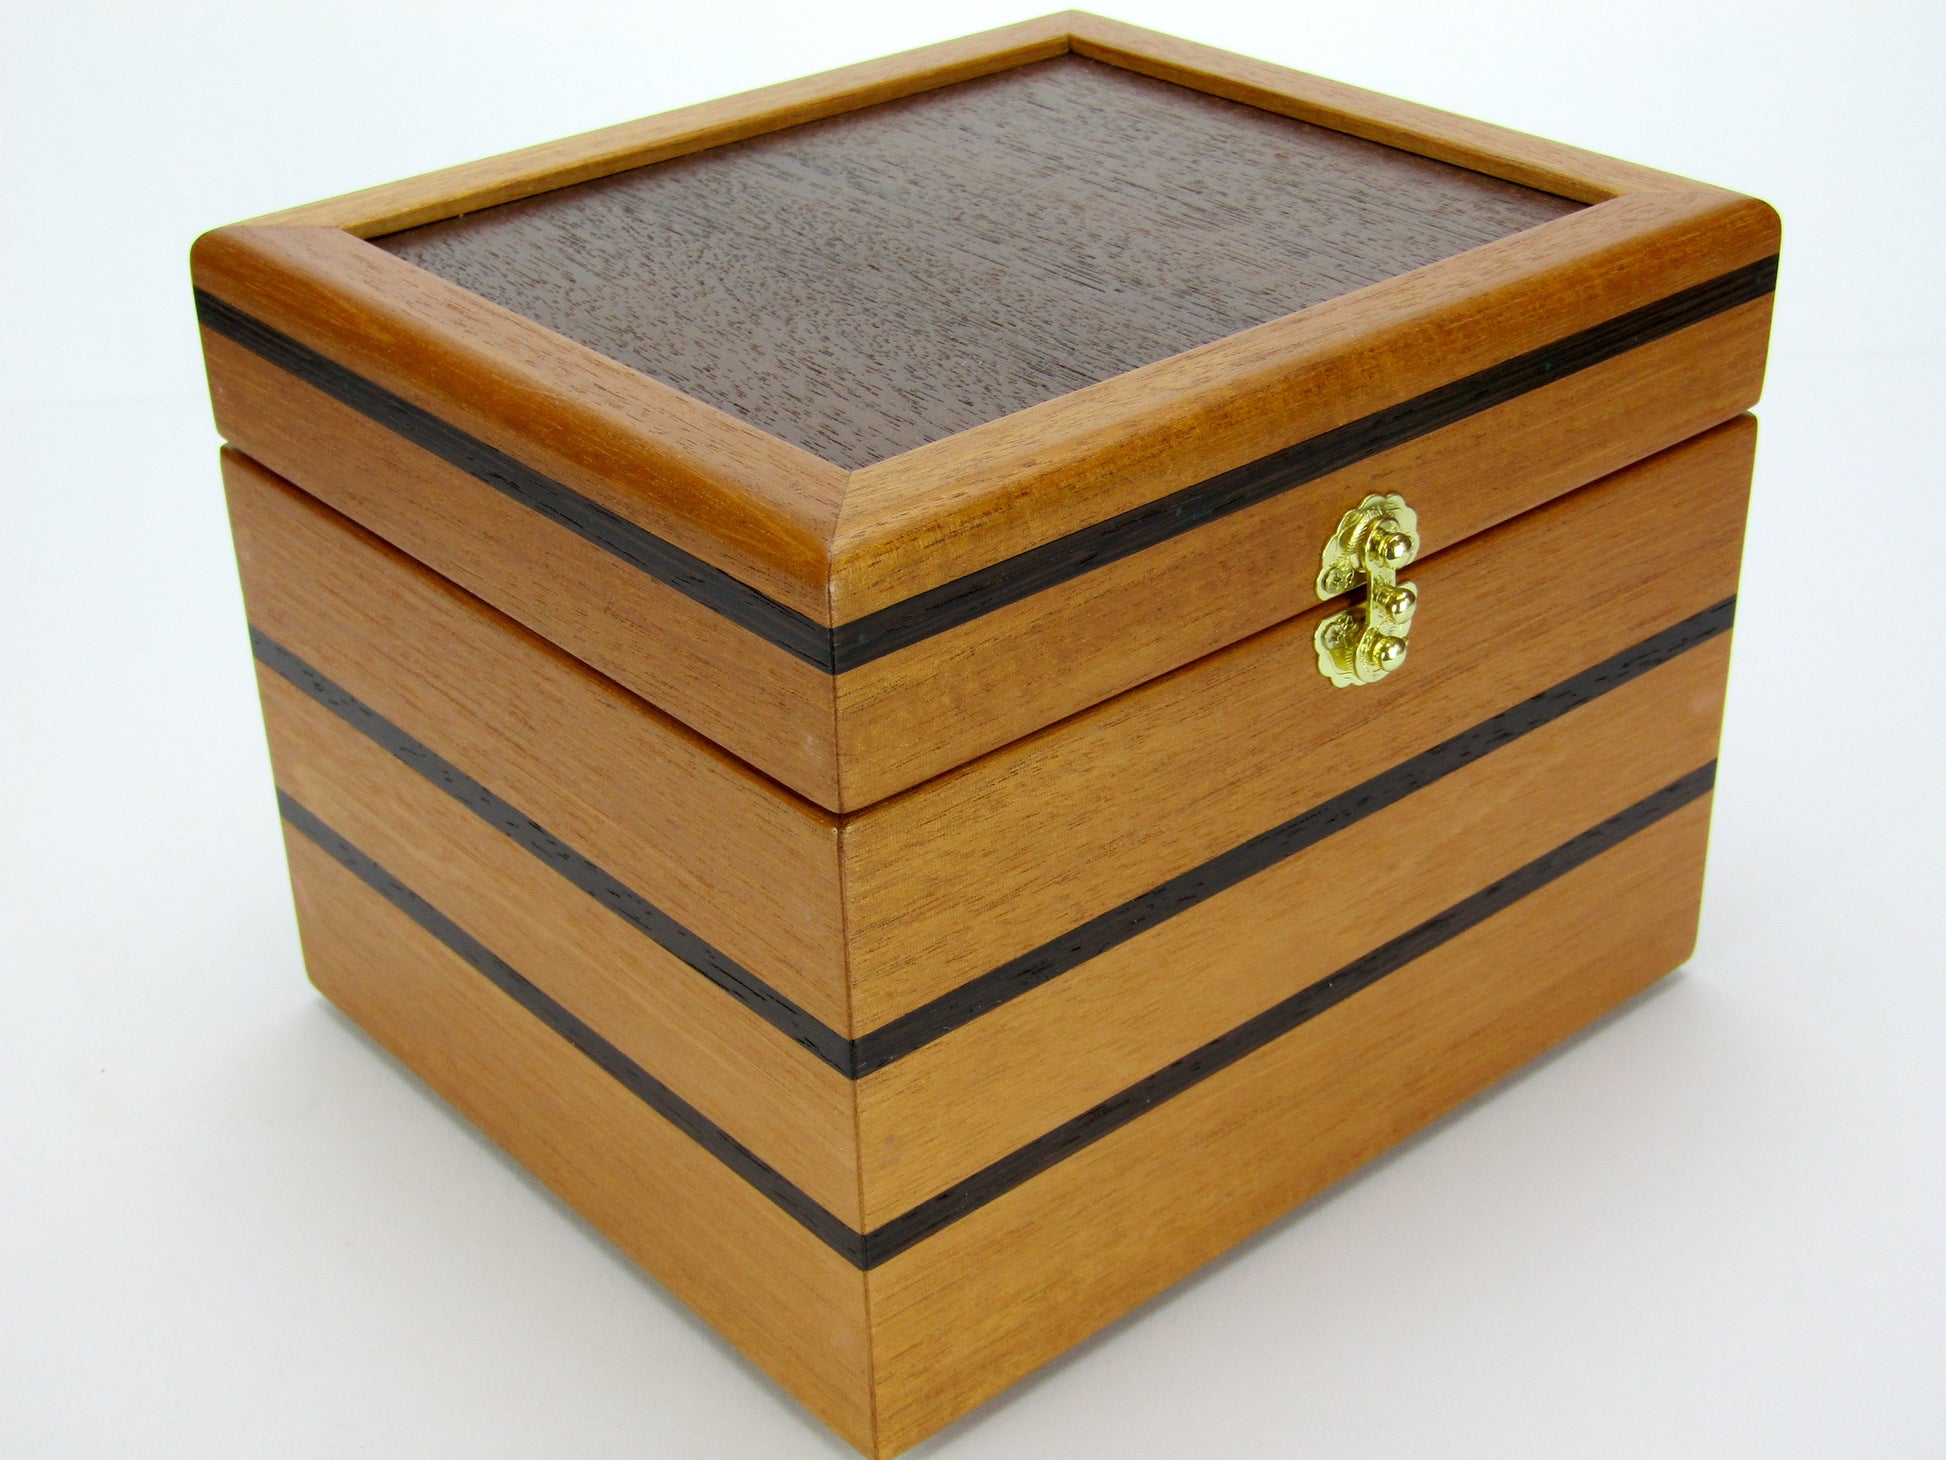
586, 773
795, 1307
741, 1073
971, 1309
981, 879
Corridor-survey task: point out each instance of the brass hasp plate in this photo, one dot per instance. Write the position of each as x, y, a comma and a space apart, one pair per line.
1366, 641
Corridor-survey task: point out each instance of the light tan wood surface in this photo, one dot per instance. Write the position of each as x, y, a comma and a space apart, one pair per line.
730, 855
791, 1304
967, 1312
793, 1111
946, 882
949, 1109
990, 861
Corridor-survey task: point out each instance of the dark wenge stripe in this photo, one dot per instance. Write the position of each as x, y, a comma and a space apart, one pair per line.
660, 559
716, 966
914, 619
905, 623
639, 1082
903, 1232
887, 1241
1010, 980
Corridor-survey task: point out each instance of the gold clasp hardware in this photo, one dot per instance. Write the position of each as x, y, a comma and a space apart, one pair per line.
1365, 642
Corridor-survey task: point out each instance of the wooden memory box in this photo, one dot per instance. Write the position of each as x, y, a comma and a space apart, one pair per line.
836, 660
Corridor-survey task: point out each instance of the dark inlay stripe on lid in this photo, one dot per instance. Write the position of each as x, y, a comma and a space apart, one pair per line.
902, 624
913, 620
661, 559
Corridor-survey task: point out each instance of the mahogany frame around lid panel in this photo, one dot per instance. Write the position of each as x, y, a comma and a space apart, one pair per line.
1499, 152
830, 547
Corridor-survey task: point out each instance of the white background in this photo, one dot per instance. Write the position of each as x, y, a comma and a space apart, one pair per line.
230, 1226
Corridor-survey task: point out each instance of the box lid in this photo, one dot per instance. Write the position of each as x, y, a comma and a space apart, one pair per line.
873, 421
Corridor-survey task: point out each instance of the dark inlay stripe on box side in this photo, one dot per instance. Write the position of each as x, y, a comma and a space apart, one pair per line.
912, 620
1030, 970
988, 991
726, 594
712, 963
903, 1232
830, 1230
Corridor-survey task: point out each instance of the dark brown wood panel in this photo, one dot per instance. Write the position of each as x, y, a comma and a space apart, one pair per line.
869, 283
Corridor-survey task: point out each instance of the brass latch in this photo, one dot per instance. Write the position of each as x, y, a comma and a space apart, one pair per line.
1365, 642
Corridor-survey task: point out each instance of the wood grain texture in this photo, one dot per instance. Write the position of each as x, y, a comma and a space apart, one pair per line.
990, 861
748, 867
957, 1105
941, 511
360, 560
869, 283
771, 710
899, 827
969, 1311
745, 1076
793, 1306
980, 867
963, 692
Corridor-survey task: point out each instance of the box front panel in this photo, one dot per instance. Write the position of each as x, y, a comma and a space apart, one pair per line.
970, 1310
988, 873
952, 1113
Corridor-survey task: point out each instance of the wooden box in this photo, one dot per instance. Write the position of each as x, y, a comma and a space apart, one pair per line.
793, 636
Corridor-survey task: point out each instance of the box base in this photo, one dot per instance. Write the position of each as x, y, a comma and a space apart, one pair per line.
891, 1354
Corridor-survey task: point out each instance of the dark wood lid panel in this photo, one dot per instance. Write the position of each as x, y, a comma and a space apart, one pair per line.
873, 282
